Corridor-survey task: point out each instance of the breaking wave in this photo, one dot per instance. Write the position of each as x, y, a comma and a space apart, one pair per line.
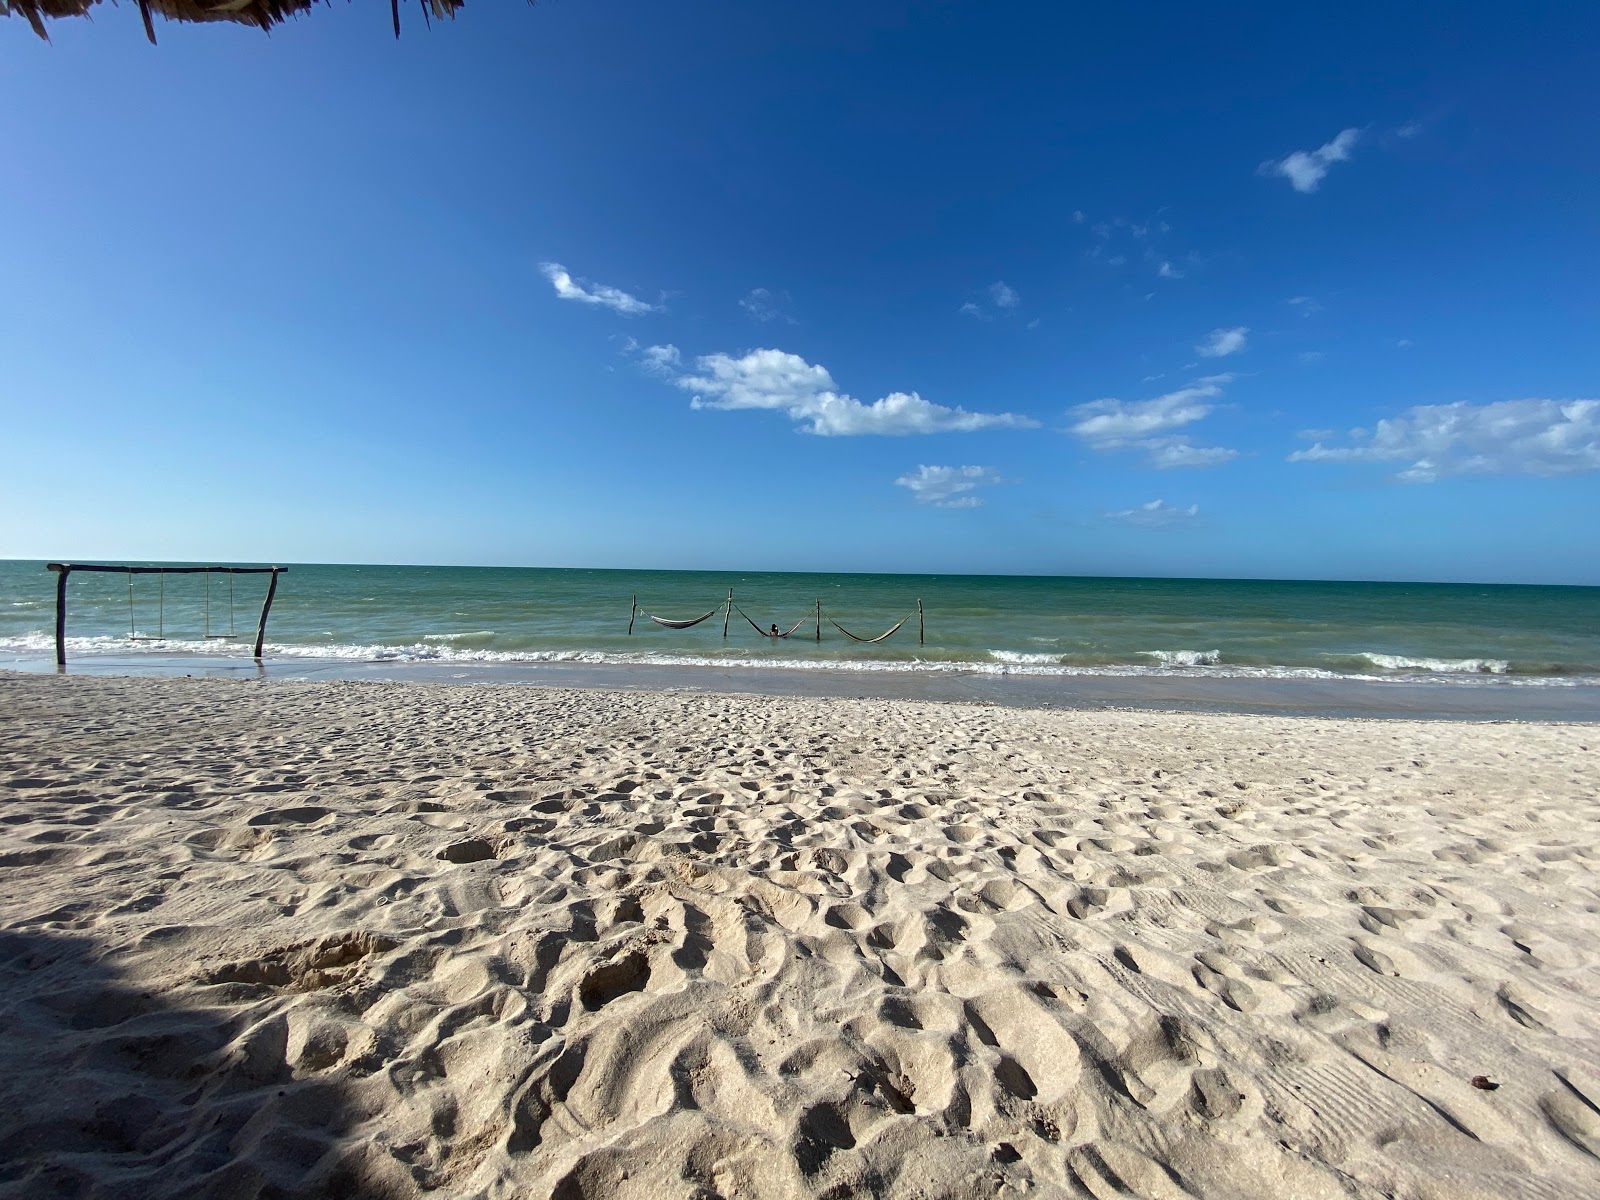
1443, 666
447, 648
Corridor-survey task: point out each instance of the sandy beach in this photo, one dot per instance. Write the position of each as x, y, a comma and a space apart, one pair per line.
359, 939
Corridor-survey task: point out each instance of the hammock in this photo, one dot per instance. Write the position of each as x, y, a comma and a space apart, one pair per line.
869, 641
685, 624
764, 632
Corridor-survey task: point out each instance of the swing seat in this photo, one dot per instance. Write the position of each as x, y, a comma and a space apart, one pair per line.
226, 637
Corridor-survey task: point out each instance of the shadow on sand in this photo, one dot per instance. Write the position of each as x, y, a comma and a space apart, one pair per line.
106, 1091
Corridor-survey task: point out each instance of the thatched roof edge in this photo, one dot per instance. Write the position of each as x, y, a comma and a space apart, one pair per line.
263, 14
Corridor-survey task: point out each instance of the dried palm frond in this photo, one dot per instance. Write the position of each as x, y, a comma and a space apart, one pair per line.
262, 13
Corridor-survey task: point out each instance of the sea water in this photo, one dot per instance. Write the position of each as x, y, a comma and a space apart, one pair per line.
1461, 634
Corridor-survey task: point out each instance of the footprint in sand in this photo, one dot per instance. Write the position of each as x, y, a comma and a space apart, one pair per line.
309, 814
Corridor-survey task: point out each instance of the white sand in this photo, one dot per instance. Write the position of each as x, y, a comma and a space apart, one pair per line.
372, 940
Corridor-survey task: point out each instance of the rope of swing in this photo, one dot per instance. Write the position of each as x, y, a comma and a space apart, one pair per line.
161, 612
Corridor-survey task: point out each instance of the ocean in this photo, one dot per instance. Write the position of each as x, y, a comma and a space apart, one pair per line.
1449, 634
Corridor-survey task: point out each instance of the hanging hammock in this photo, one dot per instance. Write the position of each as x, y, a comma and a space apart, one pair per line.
685, 624
869, 641
765, 632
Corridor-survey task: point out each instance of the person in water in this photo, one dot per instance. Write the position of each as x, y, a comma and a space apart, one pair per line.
774, 632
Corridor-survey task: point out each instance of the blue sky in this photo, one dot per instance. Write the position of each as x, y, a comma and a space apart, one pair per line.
952, 287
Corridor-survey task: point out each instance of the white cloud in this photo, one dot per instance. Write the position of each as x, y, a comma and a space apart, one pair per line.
1111, 424
1168, 453
1167, 271
773, 379
764, 304
999, 297
1304, 305
661, 360
949, 487
586, 292
1078, 217
1108, 424
1220, 343
1308, 357
1157, 514
1507, 437
1306, 169
1002, 295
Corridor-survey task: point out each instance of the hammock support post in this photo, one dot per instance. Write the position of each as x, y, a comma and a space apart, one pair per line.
61, 615
921, 629
62, 570
727, 616
632, 613
819, 620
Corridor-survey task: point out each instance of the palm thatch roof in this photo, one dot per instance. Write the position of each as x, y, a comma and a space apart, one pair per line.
262, 13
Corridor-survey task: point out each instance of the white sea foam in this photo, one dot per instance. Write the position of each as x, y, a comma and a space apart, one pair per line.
457, 637
1168, 663
1445, 666
1185, 658
1018, 658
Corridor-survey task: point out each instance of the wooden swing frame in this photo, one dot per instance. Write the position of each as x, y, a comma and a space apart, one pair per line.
63, 570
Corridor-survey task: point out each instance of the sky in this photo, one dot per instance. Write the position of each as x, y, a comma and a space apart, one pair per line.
1170, 289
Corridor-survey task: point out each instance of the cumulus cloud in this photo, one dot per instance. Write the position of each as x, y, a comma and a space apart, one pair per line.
585, 292
805, 392
1507, 437
949, 487
1157, 514
1167, 271
764, 304
1306, 169
1147, 425
1002, 295
969, 309
1220, 343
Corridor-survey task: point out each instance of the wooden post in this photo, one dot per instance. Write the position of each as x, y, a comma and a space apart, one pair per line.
266, 607
819, 620
921, 630
61, 614
727, 614
632, 613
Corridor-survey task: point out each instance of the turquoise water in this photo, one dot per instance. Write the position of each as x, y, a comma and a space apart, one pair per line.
1461, 633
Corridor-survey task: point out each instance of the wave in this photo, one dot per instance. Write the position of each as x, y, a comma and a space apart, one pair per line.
1443, 666
1185, 658
1375, 668
1019, 658
458, 637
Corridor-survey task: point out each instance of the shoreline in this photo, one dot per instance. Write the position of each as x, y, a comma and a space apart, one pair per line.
1445, 700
